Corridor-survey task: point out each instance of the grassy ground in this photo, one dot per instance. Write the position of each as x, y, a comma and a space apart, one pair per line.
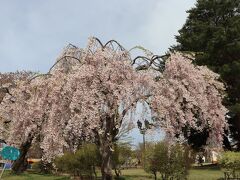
32, 176
194, 174
205, 174
129, 174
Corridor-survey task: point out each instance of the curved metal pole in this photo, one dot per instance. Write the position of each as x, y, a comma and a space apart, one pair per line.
109, 42
101, 44
64, 57
114, 41
149, 61
48, 74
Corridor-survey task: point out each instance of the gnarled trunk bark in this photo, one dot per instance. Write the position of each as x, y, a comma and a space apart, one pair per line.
106, 153
20, 165
106, 141
106, 137
106, 167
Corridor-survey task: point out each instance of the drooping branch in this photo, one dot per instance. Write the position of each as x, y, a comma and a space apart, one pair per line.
124, 112
5, 90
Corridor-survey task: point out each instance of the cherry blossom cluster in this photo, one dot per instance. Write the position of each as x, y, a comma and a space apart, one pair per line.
189, 96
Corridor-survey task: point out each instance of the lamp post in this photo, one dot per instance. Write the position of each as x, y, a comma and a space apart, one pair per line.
143, 130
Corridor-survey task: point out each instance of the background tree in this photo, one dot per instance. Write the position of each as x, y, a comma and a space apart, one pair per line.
212, 30
170, 160
230, 162
138, 153
122, 157
152, 162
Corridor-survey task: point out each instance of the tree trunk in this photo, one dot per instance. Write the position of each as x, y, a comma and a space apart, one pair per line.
20, 165
94, 172
106, 141
106, 166
155, 175
117, 171
227, 143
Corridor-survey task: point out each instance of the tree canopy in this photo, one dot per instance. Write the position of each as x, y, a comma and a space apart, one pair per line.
89, 92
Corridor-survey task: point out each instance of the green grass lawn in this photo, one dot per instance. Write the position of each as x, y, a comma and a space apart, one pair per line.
194, 174
205, 174
128, 174
32, 176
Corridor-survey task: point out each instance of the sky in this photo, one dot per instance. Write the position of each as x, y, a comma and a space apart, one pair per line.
33, 32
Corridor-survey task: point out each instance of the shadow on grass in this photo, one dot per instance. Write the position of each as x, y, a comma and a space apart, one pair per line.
208, 167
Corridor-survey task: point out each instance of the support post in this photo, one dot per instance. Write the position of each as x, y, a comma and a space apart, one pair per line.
3, 170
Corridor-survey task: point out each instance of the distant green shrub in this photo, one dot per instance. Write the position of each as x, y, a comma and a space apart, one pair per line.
171, 161
119, 178
42, 167
36, 167
230, 162
82, 163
